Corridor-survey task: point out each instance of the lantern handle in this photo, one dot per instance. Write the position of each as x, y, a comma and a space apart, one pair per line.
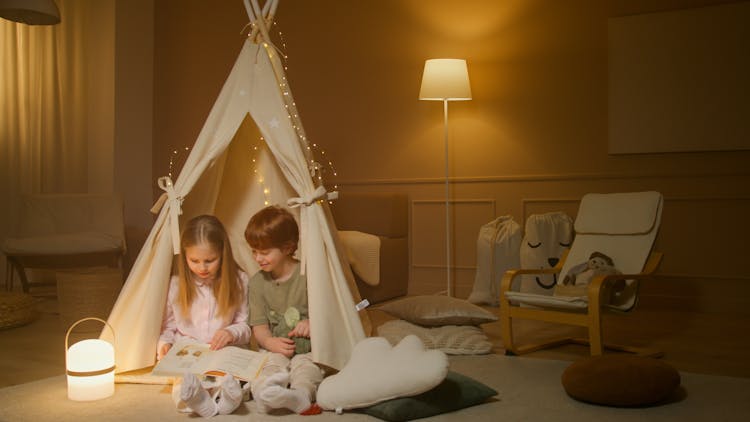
87, 319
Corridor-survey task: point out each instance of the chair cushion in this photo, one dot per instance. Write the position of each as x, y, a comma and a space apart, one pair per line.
620, 380
569, 303
455, 392
43, 215
433, 310
62, 244
618, 213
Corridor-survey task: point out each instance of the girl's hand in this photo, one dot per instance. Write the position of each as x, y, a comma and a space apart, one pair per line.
163, 351
221, 339
302, 329
282, 345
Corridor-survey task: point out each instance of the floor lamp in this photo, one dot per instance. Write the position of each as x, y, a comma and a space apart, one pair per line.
446, 80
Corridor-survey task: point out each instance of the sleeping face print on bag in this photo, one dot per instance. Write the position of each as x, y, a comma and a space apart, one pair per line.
545, 239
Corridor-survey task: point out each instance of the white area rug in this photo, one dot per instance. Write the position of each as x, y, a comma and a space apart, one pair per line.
529, 390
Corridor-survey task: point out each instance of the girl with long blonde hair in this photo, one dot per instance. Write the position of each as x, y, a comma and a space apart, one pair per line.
206, 303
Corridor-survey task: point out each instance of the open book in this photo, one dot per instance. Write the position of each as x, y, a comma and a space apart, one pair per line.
243, 364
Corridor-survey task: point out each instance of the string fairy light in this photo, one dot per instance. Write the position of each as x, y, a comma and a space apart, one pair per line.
174, 159
317, 170
255, 158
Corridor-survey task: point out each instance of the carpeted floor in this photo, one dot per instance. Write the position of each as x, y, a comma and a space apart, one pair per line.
528, 390
712, 362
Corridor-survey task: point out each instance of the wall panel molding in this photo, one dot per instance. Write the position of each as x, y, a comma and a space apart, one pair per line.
588, 177
527, 202
683, 276
703, 232
427, 214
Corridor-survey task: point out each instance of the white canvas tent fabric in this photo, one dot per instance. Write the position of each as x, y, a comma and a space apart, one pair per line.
252, 88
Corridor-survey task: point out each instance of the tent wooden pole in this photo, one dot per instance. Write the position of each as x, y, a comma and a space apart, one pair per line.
249, 11
269, 11
254, 12
282, 81
260, 29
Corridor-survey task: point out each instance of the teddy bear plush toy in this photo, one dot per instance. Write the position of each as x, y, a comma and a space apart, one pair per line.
576, 281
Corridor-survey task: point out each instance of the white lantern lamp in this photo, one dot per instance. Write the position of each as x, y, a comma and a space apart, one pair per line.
90, 366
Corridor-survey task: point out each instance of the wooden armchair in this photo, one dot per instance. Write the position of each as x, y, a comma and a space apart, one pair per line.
622, 226
65, 231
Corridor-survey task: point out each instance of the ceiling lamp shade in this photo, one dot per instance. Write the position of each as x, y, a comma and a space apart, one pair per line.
445, 80
30, 12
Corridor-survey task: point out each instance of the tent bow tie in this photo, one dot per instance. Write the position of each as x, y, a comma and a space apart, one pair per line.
175, 209
307, 200
316, 195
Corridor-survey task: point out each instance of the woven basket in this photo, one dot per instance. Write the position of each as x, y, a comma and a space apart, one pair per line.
16, 309
89, 292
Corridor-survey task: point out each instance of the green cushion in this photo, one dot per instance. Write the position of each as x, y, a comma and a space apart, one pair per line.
455, 392
620, 380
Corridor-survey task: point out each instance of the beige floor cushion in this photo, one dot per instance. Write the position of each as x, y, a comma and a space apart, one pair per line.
451, 339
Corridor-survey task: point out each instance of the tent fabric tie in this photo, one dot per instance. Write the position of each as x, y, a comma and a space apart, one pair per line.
316, 195
175, 209
307, 200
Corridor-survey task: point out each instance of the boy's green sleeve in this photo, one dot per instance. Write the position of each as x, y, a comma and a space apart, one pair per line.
255, 301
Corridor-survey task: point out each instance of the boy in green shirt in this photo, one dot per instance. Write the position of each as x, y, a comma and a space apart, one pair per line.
279, 315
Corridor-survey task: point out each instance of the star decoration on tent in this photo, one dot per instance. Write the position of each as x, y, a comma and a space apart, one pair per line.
274, 123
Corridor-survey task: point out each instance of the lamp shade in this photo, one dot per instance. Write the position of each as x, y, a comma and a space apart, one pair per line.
90, 367
445, 79
30, 12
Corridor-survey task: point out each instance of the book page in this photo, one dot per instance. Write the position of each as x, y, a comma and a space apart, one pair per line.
243, 364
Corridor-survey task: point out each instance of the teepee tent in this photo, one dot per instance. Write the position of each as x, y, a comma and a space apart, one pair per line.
217, 178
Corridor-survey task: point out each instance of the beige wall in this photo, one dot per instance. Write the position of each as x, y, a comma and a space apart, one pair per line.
533, 139
134, 100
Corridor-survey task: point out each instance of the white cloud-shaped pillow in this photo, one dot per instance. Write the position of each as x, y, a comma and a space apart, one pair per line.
377, 372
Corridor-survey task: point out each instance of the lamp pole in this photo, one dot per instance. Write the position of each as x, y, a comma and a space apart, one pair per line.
447, 203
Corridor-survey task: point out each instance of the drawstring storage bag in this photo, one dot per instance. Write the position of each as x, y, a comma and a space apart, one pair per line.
497, 251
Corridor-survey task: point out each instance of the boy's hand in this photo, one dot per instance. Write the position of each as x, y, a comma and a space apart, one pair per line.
282, 345
221, 339
163, 350
302, 329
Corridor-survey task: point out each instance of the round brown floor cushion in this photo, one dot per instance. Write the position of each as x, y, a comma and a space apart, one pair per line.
620, 380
